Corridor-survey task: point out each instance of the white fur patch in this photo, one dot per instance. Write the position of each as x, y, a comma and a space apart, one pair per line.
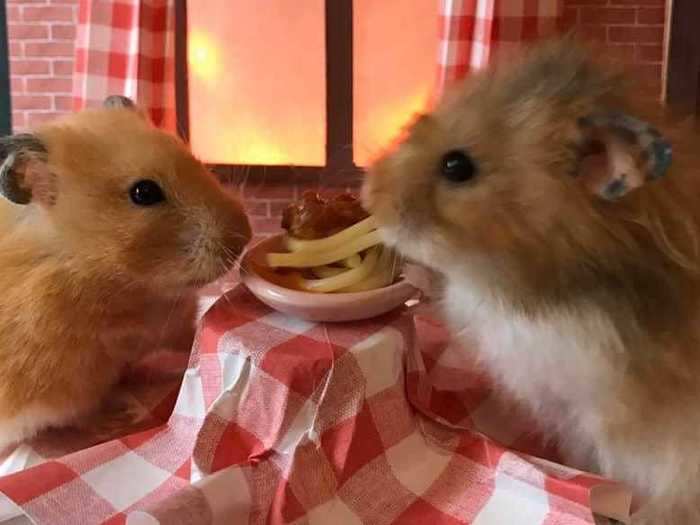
558, 365
30, 421
562, 366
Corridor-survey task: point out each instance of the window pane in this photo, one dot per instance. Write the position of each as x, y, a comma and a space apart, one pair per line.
257, 81
395, 54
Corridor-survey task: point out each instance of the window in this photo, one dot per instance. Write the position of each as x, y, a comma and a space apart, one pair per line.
313, 83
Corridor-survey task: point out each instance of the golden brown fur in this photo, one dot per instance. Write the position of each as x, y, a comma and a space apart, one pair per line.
584, 287
89, 280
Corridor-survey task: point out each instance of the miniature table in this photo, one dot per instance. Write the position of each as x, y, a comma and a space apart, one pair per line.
277, 420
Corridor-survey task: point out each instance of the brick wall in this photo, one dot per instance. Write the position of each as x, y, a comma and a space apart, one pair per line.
631, 31
41, 37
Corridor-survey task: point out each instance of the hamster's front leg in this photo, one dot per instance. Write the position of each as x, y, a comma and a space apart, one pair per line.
164, 322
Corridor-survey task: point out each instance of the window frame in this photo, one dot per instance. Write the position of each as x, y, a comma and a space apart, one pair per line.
339, 163
5, 95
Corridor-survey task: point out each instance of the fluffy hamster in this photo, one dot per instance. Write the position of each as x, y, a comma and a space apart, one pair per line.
567, 238
107, 225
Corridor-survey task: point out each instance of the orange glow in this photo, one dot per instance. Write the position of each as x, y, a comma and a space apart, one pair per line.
395, 52
203, 60
257, 77
257, 81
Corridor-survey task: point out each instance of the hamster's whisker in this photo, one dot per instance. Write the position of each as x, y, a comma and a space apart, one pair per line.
393, 263
166, 325
246, 175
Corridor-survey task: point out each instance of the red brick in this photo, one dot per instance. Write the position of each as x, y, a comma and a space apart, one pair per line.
13, 14
62, 103
263, 225
268, 191
54, 13
49, 85
652, 53
65, 1
16, 85
18, 120
651, 15
569, 18
62, 32
34, 119
49, 49
258, 208
586, 2
277, 207
638, 2
29, 67
62, 67
31, 102
648, 73
620, 52
608, 15
594, 33
27, 31
636, 34
16, 49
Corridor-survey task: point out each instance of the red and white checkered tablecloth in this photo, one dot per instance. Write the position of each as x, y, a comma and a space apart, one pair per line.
473, 31
278, 421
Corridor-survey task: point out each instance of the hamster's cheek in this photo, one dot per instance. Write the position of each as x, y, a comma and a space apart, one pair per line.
427, 250
376, 193
466, 208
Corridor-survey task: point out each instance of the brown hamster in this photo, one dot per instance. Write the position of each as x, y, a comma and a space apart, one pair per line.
107, 225
565, 229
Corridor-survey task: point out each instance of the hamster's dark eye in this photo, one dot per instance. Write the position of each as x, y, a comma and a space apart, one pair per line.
146, 193
457, 166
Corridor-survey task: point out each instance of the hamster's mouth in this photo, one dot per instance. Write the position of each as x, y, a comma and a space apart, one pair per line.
210, 267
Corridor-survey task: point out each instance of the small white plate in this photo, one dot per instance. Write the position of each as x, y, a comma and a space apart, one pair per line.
320, 307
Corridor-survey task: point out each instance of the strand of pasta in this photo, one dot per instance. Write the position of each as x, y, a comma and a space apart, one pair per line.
383, 274
304, 259
347, 278
333, 241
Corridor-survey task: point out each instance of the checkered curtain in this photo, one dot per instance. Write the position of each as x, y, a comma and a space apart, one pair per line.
473, 31
126, 47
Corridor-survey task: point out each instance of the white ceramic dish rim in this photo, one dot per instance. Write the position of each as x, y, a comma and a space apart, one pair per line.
288, 295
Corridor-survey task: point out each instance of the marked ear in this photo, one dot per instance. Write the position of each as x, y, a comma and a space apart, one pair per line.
619, 153
24, 173
119, 101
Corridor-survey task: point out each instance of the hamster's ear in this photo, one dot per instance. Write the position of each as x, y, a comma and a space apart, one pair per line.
619, 153
24, 173
120, 101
